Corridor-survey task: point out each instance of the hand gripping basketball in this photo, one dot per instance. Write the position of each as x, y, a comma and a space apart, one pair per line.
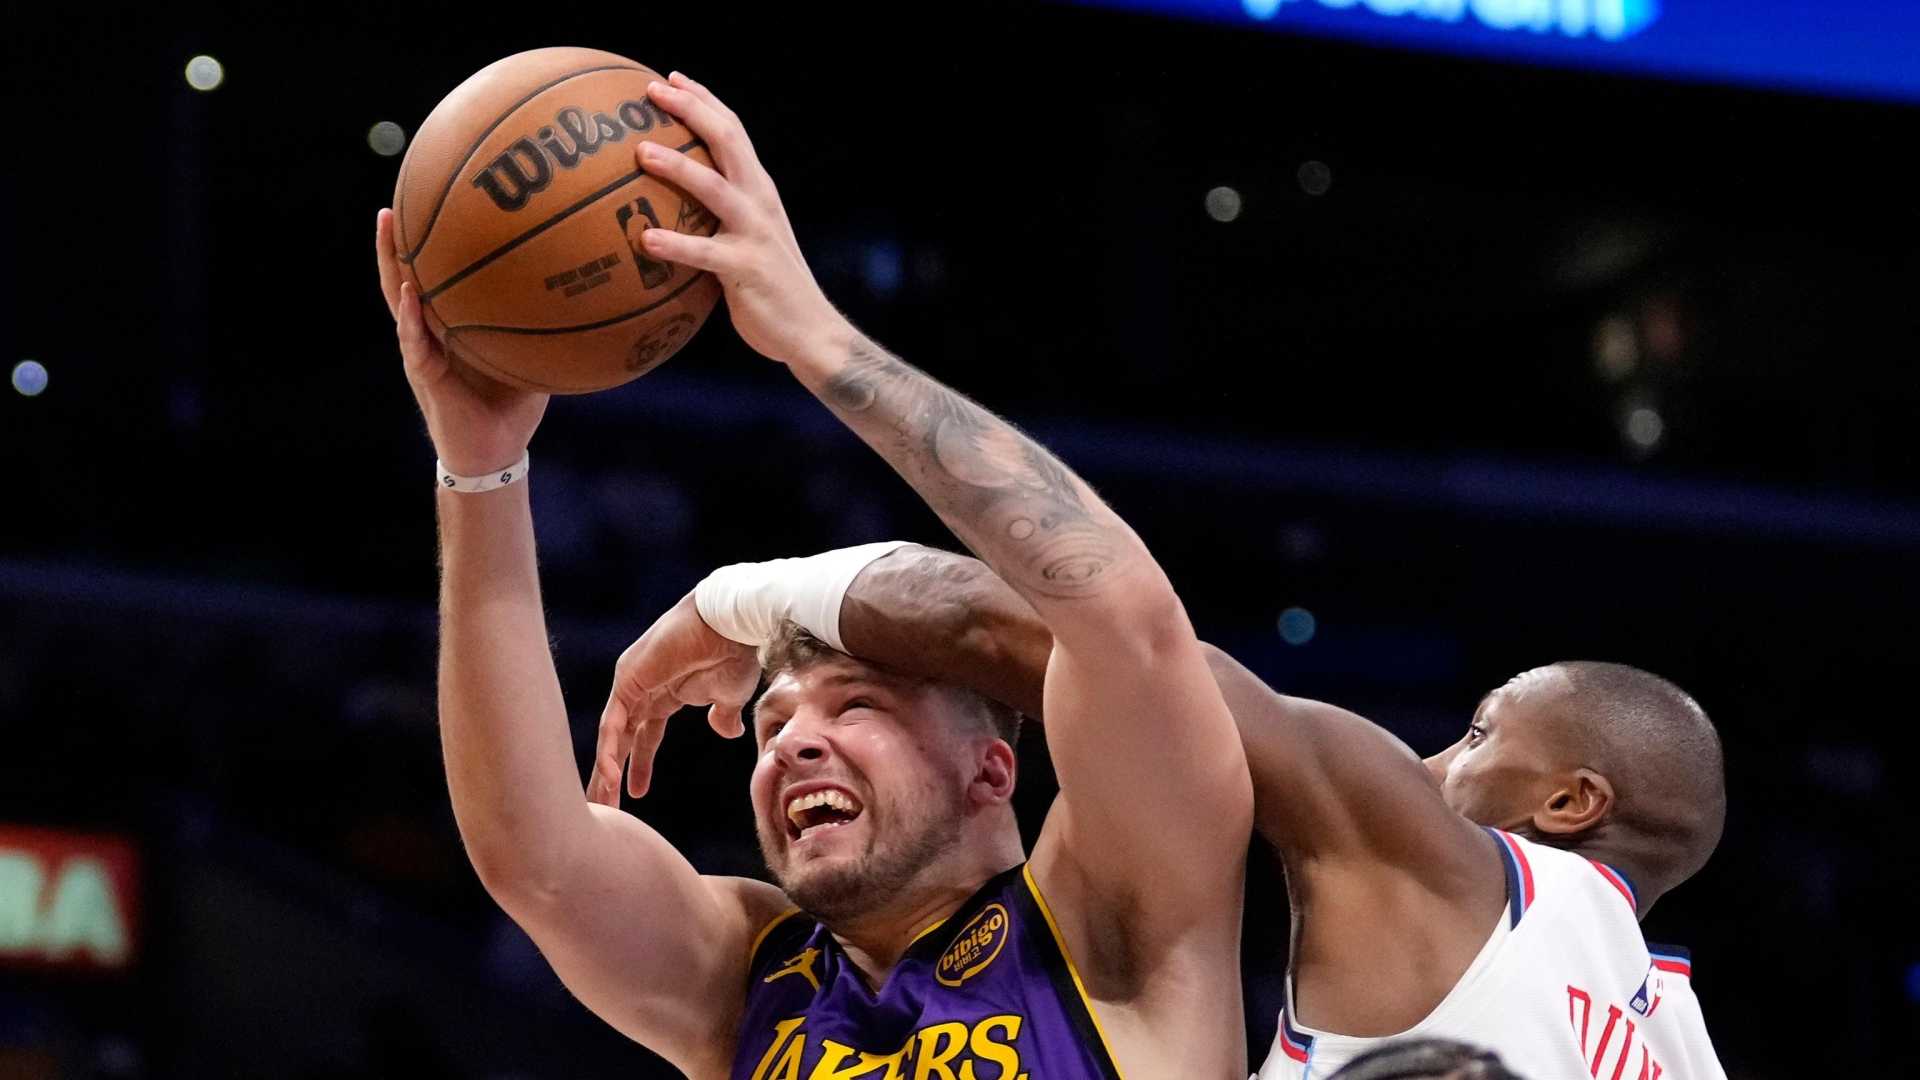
679, 661
477, 425
776, 305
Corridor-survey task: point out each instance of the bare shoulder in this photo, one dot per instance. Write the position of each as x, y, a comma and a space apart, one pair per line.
757, 900
756, 906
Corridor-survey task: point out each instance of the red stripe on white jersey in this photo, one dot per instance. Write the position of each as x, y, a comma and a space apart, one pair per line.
1613, 879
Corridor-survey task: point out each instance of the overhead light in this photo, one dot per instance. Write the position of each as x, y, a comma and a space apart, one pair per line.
29, 377
1297, 626
205, 73
386, 138
1643, 428
1223, 204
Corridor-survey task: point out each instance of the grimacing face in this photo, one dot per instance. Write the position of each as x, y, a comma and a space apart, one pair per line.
860, 784
1503, 768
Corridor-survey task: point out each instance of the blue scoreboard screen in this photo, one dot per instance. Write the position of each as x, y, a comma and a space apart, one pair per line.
1852, 48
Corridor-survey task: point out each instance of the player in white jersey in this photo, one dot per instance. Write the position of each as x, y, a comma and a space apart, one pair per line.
1564, 987
1601, 787
1490, 894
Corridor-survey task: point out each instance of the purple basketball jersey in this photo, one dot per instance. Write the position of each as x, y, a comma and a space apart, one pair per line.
987, 994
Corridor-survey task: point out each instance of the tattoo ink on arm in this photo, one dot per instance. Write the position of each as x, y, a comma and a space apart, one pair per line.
1021, 510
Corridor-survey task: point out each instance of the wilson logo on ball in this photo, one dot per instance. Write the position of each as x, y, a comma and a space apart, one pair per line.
526, 167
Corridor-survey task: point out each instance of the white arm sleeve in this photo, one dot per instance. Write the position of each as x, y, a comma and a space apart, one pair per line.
747, 602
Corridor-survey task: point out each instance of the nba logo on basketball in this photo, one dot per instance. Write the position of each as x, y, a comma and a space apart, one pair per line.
634, 219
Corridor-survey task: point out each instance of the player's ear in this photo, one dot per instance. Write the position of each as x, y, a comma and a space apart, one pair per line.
1580, 802
993, 772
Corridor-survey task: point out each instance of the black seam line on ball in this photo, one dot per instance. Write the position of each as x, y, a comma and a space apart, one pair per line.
636, 312
454, 176
588, 200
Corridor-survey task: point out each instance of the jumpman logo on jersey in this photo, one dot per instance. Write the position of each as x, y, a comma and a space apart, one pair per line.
801, 965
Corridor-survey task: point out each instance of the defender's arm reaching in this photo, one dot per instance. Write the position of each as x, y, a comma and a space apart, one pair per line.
1325, 780
1350, 808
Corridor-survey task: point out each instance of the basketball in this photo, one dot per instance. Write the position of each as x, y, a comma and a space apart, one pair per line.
518, 215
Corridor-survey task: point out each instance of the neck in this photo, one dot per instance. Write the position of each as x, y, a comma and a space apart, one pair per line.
874, 941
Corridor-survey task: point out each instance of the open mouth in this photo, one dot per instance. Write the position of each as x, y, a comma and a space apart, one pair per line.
816, 812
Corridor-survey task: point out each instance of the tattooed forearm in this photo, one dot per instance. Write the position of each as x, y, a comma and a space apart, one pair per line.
1014, 504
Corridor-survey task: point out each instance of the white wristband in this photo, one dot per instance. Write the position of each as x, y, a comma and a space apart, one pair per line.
747, 602
470, 484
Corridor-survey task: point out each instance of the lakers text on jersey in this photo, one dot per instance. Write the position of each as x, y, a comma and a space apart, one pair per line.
988, 994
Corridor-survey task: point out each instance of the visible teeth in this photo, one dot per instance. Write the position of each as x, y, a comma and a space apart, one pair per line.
829, 797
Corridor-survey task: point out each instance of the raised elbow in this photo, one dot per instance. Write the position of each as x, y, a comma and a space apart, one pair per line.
1147, 622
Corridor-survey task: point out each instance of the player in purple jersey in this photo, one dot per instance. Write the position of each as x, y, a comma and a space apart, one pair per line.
1394, 868
931, 946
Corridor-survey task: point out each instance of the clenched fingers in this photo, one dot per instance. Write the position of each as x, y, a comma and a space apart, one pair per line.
718, 126
696, 178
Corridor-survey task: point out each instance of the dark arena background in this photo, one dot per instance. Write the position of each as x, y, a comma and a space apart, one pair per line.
1419, 347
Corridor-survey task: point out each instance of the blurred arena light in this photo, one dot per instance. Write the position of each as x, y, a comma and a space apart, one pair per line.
386, 138
883, 267
1642, 426
1315, 177
1223, 204
1297, 626
1663, 325
205, 73
29, 377
1616, 348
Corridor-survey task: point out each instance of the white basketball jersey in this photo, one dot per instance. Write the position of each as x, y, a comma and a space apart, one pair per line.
1565, 988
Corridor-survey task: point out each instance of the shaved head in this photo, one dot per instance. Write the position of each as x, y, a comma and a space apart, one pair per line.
1662, 755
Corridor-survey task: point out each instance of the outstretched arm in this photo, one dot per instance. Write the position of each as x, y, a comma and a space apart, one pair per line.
1154, 795
647, 943
1328, 784
1377, 864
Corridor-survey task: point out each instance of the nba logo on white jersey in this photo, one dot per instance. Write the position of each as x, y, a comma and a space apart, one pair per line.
1654, 986
1649, 993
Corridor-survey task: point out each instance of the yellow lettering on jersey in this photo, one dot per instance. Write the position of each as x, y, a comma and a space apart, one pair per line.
832, 1064
1000, 1053
932, 1051
789, 1063
934, 1046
